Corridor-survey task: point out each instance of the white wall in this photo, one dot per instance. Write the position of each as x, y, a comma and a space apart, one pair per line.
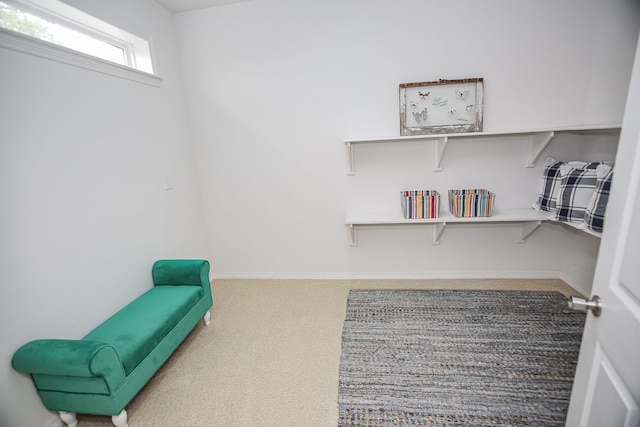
275, 86
84, 213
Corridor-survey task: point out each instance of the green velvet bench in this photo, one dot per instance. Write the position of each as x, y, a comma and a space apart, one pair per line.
100, 373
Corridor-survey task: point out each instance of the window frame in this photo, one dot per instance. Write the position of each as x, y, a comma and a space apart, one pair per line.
138, 52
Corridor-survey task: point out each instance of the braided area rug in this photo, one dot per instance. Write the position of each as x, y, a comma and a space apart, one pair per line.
457, 358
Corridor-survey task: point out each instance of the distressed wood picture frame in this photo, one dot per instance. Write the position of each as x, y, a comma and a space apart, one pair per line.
443, 106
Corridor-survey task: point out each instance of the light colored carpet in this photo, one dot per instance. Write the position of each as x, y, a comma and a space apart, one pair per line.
271, 355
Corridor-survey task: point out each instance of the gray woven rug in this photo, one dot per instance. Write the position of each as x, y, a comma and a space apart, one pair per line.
454, 358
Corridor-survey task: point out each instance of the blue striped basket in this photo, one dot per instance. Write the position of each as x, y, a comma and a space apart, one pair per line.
420, 204
471, 203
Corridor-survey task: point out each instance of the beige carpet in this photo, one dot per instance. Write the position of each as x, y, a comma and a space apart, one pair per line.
271, 355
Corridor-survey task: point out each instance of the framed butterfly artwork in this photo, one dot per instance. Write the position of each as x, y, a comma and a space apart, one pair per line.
443, 106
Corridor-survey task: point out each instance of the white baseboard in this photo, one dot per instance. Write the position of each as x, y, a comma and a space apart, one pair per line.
408, 276
585, 292
396, 275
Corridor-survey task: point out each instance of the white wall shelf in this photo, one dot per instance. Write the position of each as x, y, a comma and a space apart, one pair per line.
582, 228
529, 218
538, 141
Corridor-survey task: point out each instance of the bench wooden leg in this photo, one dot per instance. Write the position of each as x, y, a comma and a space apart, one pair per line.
120, 420
69, 418
207, 318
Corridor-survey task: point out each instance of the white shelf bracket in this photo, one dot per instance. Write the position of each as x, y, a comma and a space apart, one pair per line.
438, 228
353, 237
528, 228
440, 145
537, 143
350, 167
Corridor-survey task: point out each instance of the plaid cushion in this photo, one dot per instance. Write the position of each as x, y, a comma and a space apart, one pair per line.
547, 199
576, 189
594, 215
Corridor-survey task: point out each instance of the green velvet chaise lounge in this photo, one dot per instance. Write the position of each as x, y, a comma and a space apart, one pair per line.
100, 373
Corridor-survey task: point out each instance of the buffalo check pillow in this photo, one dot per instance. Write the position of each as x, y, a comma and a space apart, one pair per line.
551, 180
577, 187
594, 214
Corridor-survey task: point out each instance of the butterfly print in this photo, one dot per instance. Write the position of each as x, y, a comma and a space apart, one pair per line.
462, 94
421, 116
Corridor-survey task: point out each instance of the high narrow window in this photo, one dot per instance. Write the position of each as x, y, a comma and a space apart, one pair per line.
54, 22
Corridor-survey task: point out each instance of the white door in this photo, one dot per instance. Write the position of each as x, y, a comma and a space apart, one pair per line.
606, 390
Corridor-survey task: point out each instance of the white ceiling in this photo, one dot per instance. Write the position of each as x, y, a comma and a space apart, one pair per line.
186, 5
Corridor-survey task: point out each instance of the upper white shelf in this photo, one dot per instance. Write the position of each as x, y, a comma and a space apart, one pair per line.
538, 141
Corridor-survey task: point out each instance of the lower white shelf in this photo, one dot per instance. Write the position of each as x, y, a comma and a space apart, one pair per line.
530, 219
582, 228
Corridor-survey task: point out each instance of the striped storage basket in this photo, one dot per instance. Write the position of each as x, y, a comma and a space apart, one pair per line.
471, 203
420, 204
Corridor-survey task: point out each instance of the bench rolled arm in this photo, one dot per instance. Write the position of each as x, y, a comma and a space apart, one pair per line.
175, 272
74, 358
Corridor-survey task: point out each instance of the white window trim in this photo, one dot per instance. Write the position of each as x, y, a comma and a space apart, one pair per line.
137, 50
30, 45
